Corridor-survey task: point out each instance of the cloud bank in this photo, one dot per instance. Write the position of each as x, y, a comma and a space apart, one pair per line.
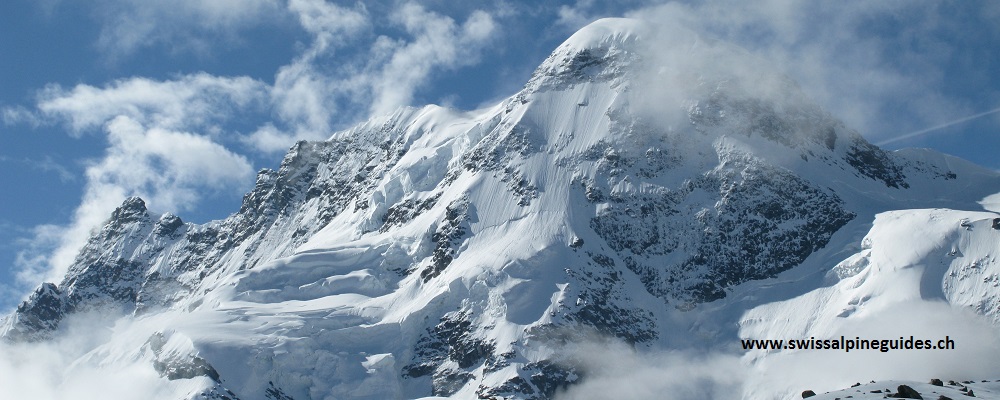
75, 365
885, 68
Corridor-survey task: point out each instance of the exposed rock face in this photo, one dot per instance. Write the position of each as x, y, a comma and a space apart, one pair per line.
38, 316
906, 392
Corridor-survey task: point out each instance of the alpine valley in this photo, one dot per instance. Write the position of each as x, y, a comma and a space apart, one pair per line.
646, 188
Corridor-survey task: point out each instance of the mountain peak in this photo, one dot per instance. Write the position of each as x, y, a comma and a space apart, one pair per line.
132, 209
134, 202
606, 32
605, 50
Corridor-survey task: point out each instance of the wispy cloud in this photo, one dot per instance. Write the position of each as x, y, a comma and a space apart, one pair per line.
389, 57
330, 24
312, 99
438, 43
75, 365
45, 164
19, 115
191, 101
621, 372
575, 16
192, 25
879, 66
306, 96
48, 164
610, 368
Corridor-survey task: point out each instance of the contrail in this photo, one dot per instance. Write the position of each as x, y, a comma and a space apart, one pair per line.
934, 128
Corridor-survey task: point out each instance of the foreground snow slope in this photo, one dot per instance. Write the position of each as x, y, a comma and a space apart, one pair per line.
953, 390
909, 255
925, 274
645, 185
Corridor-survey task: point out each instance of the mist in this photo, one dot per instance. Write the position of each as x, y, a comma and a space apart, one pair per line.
76, 364
611, 368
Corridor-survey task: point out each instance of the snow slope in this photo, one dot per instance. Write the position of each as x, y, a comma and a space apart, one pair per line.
929, 273
645, 185
952, 390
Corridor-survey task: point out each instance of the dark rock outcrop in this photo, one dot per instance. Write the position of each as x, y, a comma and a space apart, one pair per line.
906, 392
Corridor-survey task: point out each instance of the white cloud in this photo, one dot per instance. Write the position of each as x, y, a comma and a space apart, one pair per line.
129, 25
438, 43
612, 369
19, 115
171, 170
311, 98
196, 100
329, 23
575, 16
876, 65
165, 165
305, 100
270, 139
388, 58
32, 260
305, 95
76, 364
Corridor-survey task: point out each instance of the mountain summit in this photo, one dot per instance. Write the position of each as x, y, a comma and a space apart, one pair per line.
638, 187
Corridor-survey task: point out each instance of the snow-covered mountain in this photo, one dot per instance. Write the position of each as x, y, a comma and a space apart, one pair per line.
646, 185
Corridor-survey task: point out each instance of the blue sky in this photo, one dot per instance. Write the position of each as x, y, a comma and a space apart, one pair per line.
182, 101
